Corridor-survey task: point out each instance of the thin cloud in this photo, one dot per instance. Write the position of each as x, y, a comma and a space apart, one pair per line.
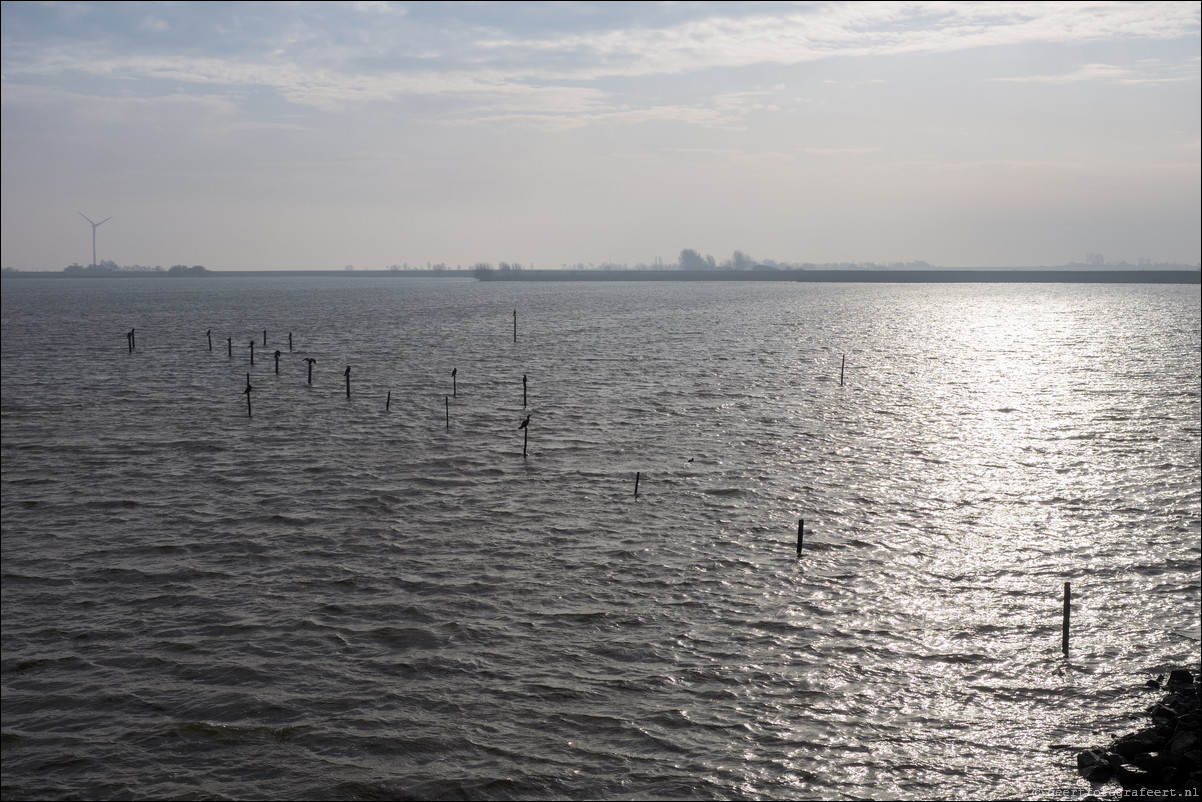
840, 151
1111, 73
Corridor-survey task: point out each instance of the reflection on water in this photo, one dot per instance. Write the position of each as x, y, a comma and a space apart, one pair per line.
330, 599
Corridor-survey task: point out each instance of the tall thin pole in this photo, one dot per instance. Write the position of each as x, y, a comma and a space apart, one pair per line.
1068, 596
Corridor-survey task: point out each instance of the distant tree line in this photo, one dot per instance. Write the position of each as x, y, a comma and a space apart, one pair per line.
108, 266
484, 267
691, 259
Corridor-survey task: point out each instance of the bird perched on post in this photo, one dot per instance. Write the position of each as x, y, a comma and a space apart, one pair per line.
524, 423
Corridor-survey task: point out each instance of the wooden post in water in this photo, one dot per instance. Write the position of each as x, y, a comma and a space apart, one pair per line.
289, 341
209, 334
454, 384
252, 353
525, 427
801, 533
247, 392
841, 367
515, 325
133, 340
388, 401
523, 391
264, 338
348, 381
310, 360
637, 476
446, 401
277, 361
1068, 596
129, 341
229, 344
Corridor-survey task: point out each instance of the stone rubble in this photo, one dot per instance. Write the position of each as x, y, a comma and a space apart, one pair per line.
1164, 756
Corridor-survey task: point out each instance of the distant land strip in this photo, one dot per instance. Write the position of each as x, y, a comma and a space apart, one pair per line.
1016, 275
883, 276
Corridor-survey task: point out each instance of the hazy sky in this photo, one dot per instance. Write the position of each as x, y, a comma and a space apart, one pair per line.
317, 135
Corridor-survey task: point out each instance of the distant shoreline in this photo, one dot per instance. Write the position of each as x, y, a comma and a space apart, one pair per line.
868, 276
853, 276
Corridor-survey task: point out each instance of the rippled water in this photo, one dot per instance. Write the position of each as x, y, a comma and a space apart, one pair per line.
334, 600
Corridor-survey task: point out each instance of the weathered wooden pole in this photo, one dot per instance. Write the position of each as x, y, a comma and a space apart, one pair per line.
515, 325
252, 353
264, 338
388, 401
229, 344
133, 340
289, 341
247, 392
209, 334
637, 476
348, 381
525, 427
454, 385
446, 400
277, 360
841, 367
310, 360
801, 533
523, 391
129, 341
1068, 596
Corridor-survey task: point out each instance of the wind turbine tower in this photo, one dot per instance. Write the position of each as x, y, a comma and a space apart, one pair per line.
94, 227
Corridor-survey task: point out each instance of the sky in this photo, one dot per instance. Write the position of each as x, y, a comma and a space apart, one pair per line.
259, 136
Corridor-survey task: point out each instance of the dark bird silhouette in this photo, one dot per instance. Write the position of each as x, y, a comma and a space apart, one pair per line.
524, 423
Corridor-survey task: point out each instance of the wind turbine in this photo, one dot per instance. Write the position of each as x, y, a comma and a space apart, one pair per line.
94, 227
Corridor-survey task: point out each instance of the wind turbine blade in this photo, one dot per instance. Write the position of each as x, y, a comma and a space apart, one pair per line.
105, 220
85, 217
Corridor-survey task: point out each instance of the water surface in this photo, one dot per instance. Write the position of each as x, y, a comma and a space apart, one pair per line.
328, 599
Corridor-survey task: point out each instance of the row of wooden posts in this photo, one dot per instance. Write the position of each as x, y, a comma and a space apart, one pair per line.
347, 374
525, 427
